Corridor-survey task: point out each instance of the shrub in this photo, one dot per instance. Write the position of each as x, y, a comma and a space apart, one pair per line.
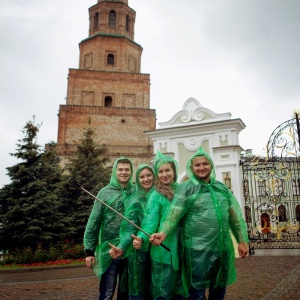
72, 251
40, 255
54, 252
64, 251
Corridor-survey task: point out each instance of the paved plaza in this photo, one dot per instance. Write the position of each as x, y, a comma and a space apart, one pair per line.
264, 276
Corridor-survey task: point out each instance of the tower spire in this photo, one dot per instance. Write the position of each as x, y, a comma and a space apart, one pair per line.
112, 17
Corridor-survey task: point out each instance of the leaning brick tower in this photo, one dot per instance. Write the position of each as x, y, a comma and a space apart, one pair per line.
108, 92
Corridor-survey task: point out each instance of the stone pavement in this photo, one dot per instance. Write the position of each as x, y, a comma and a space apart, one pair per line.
260, 277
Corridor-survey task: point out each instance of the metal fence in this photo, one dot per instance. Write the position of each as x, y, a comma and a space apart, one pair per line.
271, 189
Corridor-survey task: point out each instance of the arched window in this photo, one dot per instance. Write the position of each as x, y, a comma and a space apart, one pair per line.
108, 101
96, 20
298, 213
127, 23
110, 59
112, 19
282, 213
265, 223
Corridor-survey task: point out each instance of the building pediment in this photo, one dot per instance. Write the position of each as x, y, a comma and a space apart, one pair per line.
194, 113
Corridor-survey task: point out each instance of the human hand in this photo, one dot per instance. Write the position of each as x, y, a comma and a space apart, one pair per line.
243, 249
137, 241
115, 252
157, 238
90, 261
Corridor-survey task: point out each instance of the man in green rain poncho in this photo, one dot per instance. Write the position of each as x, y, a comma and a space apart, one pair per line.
103, 228
139, 265
208, 211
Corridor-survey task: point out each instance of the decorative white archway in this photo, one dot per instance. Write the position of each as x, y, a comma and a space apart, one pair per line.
196, 126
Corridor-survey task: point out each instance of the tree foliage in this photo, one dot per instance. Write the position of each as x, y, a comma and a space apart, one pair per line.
30, 203
90, 167
39, 207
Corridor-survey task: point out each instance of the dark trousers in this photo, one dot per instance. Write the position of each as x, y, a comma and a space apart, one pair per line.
177, 297
109, 280
214, 294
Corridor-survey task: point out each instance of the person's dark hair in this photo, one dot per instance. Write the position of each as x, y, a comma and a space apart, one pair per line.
125, 161
163, 189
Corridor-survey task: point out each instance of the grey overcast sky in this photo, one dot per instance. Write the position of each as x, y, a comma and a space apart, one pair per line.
237, 56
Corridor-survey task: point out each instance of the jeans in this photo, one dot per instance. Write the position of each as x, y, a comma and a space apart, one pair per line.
214, 294
177, 297
109, 280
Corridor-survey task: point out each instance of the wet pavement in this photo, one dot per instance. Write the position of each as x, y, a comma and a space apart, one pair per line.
263, 276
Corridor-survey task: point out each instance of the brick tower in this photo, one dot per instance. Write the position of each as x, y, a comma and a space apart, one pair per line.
108, 92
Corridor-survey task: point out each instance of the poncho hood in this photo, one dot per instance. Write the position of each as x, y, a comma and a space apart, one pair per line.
189, 172
114, 180
138, 187
161, 159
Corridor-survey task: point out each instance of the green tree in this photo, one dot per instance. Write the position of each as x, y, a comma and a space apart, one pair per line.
30, 203
90, 167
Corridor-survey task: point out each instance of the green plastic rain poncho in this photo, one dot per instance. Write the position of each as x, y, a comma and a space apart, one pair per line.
139, 265
165, 265
208, 212
104, 225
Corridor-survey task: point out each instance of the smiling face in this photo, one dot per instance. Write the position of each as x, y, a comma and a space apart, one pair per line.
201, 168
123, 173
166, 174
146, 179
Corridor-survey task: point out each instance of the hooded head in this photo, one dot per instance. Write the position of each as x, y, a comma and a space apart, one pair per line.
161, 159
164, 188
114, 175
189, 171
138, 187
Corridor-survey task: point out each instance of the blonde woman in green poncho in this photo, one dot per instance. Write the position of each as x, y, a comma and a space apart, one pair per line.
165, 271
139, 279
103, 228
208, 211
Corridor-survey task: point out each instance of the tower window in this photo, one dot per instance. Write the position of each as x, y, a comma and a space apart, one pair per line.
108, 101
112, 19
96, 21
127, 23
110, 59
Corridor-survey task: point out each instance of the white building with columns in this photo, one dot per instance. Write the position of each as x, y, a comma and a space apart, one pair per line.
197, 126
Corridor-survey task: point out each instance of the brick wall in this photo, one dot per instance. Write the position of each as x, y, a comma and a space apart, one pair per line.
126, 52
111, 98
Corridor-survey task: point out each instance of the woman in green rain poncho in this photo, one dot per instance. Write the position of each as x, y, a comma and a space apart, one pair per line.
208, 211
103, 228
165, 271
139, 279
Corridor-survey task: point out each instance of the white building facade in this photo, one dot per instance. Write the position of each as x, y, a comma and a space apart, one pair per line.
196, 126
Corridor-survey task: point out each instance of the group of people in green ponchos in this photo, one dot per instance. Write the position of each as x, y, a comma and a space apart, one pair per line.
178, 242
